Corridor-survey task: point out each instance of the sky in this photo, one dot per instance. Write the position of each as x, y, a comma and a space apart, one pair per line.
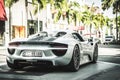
98, 3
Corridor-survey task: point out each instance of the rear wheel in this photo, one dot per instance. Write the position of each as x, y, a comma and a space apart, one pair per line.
75, 61
14, 66
95, 54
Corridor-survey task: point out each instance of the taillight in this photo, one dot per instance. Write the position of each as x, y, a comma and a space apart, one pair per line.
62, 49
59, 45
11, 51
59, 52
14, 44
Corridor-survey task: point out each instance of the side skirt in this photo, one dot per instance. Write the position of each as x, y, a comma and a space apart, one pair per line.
85, 59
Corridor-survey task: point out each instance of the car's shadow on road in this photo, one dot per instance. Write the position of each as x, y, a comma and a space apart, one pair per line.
39, 70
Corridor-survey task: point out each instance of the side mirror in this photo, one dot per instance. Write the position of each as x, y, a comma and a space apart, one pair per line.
90, 40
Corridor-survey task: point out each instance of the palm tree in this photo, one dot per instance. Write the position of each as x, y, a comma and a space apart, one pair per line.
119, 25
108, 24
73, 12
89, 17
65, 9
41, 4
101, 20
119, 21
106, 4
61, 6
9, 3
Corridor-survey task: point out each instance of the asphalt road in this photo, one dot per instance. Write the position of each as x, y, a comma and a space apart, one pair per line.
107, 68
110, 54
55, 73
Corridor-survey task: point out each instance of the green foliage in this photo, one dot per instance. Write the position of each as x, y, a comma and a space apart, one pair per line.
118, 21
9, 3
106, 4
41, 4
71, 11
57, 17
116, 6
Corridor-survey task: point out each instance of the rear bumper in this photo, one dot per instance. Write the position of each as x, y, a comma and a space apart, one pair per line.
48, 57
33, 63
56, 61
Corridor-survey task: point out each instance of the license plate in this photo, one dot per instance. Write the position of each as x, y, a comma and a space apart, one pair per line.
32, 53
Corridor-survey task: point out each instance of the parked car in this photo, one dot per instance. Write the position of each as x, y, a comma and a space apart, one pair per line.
66, 48
109, 39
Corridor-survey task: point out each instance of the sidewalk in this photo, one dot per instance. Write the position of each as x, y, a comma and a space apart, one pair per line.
2, 47
2, 54
109, 46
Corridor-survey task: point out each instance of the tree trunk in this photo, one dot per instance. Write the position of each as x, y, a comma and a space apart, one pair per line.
90, 30
116, 27
10, 37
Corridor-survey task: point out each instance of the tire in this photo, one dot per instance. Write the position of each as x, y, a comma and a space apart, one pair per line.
95, 54
75, 61
13, 66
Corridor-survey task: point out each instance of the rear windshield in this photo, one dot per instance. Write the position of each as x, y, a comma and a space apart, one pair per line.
59, 34
109, 37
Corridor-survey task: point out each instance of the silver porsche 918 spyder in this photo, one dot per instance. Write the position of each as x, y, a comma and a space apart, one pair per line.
65, 48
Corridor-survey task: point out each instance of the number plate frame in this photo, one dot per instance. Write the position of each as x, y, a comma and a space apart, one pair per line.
32, 53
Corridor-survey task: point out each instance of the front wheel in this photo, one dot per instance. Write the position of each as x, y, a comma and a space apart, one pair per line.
75, 61
95, 54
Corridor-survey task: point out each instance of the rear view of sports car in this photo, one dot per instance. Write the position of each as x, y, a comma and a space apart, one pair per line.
65, 48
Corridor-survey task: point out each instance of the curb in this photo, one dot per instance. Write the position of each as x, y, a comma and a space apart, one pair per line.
109, 46
2, 64
3, 47
2, 54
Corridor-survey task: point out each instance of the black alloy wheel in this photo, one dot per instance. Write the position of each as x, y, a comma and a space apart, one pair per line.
95, 54
75, 62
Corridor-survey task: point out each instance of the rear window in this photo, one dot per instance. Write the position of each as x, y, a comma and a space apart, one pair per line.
109, 37
59, 34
